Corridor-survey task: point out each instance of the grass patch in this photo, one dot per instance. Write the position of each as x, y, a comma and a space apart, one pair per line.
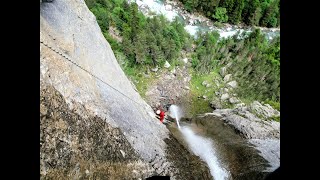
274, 118
200, 105
273, 104
277, 118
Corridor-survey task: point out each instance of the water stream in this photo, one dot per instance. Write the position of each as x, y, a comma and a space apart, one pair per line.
176, 113
195, 23
227, 155
200, 146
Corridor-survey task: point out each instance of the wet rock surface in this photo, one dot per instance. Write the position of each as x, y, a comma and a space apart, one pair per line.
75, 147
69, 29
253, 122
190, 166
238, 155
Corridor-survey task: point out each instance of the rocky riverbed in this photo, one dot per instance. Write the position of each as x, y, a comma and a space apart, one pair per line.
195, 21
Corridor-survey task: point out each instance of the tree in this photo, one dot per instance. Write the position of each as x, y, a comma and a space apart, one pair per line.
235, 15
269, 18
102, 16
252, 12
220, 14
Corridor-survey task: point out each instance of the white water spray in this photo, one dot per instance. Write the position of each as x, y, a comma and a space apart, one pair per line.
201, 146
204, 148
176, 113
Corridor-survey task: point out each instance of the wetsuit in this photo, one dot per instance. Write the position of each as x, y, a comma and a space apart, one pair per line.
162, 116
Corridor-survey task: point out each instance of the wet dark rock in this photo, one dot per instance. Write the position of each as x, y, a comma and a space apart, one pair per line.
190, 166
72, 146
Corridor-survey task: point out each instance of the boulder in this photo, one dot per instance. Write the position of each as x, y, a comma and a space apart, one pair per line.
224, 96
217, 93
264, 111
166, 64
187, 87
215, 104
229, 64
224, 90
233, 100
154, 69
240, 105
185, 60
227, 78
223, 71
232, 84
173, 71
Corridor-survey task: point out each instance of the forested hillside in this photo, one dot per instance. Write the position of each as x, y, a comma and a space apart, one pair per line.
147, 42
264, 13
253, 61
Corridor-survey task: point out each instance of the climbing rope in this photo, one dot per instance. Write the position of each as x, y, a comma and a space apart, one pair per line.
74, 63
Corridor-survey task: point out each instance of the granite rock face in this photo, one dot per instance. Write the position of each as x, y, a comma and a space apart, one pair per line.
94, 124
81, 147
71, 29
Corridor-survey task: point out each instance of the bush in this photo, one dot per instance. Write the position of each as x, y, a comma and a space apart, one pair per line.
273, 104
220, 14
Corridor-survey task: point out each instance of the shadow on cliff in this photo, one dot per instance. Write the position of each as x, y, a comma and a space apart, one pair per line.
274, 175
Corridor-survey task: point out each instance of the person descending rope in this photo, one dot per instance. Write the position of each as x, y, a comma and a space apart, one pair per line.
161, 114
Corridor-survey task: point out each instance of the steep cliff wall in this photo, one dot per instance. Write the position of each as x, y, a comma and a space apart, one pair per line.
92, 121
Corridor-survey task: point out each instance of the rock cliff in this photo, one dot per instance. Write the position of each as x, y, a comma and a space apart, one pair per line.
93, 123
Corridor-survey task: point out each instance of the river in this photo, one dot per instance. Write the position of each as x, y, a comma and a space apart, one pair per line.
195, 22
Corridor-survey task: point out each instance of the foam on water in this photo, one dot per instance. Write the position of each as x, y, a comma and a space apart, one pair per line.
158, 7
176, 113
204, 148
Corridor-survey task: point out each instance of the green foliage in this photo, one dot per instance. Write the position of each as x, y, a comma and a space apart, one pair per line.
271, 14
255, 65
205, 59
220, 14
102, 16
276, 118
147, 42
251, 12
273, 104
199, 105
235, 13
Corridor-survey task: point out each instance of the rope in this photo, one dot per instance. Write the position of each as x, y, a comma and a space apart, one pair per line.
74, 63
